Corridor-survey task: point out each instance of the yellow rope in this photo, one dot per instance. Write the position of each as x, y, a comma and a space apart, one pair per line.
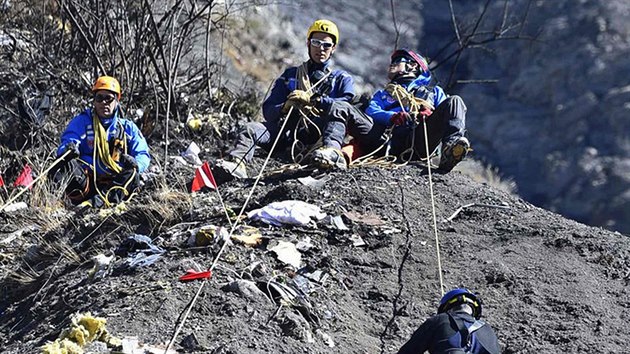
415, 104
101, 146
407, 99
305, 111
101, 150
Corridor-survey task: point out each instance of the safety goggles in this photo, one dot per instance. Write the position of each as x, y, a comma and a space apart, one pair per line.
106, 99
318, 43
399, 60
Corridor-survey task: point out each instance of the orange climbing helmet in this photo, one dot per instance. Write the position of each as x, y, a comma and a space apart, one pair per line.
107, 83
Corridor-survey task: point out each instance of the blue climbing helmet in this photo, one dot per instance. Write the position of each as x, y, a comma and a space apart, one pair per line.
460, 296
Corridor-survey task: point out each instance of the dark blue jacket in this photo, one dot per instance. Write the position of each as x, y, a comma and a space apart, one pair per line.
81, 132
383, 106
342, 89
440, 335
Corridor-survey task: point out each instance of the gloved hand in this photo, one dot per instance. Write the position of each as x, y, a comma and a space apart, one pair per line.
425, 112
400, 118
299, 96
316, 100
298, 99
128, 162
73, 148
426, 108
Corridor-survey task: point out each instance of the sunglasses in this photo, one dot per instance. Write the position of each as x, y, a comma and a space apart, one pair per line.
106, 99
318, 43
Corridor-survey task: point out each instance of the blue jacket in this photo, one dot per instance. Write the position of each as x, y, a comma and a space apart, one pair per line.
80, 131
383, 106
441, 334
342, 89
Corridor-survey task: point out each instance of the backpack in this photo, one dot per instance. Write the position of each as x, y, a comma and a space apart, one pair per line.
466, 333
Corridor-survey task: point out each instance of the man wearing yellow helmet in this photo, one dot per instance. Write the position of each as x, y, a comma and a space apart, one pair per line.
307, 91
103, 152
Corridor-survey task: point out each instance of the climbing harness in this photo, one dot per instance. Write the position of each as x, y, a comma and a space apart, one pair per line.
105, 155
416, 107
299, 150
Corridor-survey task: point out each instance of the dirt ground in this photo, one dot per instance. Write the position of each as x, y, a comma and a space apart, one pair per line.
549, 285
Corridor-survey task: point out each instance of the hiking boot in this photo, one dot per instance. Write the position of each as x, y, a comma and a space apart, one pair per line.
228, 170
328, 157
453, 152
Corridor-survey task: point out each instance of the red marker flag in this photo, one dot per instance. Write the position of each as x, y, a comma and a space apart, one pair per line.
1, 181
192, 274
25, 178
203, 178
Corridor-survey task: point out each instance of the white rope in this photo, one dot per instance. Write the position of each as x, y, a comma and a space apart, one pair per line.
238, 218
415, 107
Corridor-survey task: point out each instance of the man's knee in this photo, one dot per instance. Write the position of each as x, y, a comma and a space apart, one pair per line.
454, 103
340, 111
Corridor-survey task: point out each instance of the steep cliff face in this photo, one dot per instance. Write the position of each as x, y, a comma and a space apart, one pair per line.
555, 120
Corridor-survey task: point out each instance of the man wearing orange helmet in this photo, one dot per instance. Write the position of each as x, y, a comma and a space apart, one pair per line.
307, 91
104, 153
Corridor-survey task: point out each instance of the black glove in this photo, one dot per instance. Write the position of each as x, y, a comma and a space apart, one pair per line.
73, 150
128, 162
316, 100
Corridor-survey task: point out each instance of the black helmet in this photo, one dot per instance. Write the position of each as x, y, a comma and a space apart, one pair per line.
460, 296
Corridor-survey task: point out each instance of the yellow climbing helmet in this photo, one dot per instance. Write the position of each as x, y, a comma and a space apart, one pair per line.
107, 83
325, 26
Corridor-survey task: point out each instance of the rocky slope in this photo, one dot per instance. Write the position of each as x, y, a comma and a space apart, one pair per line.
549, 285
555, 120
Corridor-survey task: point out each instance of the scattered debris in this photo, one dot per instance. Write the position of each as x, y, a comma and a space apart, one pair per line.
325, 337
247, 289
191, 155
459, 210
314, 183
16, 234
140, 250
101, 266
131, 345
15, 207
292, 212
335, 222
249, 236
357, 240
304, 244
207, 235
287, 253
369, 219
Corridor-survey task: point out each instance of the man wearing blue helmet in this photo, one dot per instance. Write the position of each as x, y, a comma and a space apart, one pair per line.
456, 329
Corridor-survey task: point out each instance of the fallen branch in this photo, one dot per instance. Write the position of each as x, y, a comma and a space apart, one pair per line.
459, 210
